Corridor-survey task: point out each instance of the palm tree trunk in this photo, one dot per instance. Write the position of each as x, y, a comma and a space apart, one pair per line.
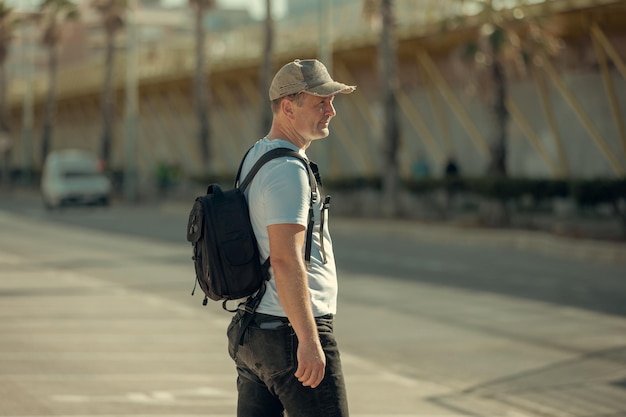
4, 117
107, 101
266, 70
4, 127
497, 164
388, 73
49, 114
201, 91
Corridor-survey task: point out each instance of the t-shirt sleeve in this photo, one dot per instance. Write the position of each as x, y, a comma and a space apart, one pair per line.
286, 193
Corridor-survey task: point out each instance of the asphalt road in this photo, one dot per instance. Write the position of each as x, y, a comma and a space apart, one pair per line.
391, 250
96, 319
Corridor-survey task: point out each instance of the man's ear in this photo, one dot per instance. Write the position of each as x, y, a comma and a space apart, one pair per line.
286, 106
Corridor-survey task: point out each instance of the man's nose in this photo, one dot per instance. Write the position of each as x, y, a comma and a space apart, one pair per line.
330, 109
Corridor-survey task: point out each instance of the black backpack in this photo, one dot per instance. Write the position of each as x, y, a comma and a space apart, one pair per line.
225, 250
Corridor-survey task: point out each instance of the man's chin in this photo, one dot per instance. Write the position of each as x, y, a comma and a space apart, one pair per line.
324, 132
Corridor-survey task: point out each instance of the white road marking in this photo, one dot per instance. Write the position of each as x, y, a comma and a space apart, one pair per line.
160, 397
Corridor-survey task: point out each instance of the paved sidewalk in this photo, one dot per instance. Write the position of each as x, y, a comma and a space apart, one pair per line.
80, 336
73, 344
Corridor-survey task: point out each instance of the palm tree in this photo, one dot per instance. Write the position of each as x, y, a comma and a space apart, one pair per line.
112, 15
55, 14
7, 24
381, 11
266, 69
201, 92
495, 37
497, 54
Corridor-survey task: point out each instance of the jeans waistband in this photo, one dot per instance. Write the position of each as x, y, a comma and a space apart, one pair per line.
261, 317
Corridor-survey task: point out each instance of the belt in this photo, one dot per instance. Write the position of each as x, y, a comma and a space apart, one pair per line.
266, 318
261, 318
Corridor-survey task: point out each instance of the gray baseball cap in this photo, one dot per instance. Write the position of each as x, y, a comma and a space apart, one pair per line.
308, 75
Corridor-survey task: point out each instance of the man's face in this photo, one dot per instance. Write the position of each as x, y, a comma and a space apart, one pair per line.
314, 115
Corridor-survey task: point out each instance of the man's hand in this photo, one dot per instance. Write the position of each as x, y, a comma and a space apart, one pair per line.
311, 364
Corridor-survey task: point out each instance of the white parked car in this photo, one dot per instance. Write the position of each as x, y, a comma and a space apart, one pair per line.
74, 176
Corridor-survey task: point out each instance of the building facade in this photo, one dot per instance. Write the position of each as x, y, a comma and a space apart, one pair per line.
566, 113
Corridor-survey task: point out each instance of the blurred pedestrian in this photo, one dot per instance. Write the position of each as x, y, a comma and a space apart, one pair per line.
288, 360
452, 168
452, 185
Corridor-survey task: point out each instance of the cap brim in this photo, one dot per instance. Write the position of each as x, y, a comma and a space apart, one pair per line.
330, 89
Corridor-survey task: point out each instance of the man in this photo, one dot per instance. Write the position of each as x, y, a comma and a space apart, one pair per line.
288, 360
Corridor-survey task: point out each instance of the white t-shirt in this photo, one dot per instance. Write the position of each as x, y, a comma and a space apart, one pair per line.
280, 194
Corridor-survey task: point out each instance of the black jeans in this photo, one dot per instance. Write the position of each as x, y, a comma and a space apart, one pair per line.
266, 363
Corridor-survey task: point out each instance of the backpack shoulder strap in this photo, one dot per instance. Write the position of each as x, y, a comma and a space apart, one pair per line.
268, 156
241, 166
278, 153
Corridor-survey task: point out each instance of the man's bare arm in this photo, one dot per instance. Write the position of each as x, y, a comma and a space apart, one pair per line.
286, 243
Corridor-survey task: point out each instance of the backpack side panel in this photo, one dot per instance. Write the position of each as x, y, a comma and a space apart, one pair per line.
230, 243
196, 235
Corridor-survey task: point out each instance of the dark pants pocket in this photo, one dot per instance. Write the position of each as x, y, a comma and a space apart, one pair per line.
268, 352
234, 333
